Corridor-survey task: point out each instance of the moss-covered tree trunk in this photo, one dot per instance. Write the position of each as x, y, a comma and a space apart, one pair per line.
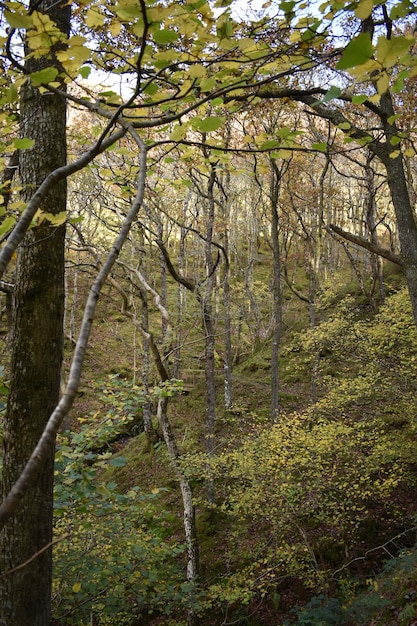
37, 332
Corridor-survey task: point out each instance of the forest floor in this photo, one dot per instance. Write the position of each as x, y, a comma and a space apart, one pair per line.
111, 356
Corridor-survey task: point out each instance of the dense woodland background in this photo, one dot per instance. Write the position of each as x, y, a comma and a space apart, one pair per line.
237, 445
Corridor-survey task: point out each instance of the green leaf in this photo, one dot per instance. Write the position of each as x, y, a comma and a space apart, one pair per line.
321, 147
178, 133
359, 99
7, 224
364, 9
332, 93
208, 124
271, 144
85, 71
207, 84
151, 89
389, 51
358, 51
118, 461
47, 75
24, 143
11, 95
165, 36
18, 20
225, 30
56, 219
287, 6
76, 220
126, 13
94, 18
394, 141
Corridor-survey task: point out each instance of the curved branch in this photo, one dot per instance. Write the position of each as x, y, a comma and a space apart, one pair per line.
47, 439
17, 234
186, 282
162, 370
364, 243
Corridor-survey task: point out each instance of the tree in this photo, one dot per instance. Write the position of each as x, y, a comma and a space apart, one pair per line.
379, 68
37, 344
185, 69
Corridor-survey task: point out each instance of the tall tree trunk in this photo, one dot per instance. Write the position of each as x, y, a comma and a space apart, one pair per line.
375, 260
188, 507
404, 213
228, 357
25, 595
206, 300
276, 289
181, 289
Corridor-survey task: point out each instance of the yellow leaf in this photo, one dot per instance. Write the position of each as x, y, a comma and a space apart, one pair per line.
197, 71
295, 36
382, 83
364, 9
115, 28
94, 18
178, 132
76, 587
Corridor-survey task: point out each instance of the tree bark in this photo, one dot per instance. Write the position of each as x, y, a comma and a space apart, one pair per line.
276, 289
37, 344
404, 213
206, 301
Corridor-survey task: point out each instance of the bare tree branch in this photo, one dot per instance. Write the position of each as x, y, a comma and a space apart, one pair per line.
26, 218
364, 243
47, 439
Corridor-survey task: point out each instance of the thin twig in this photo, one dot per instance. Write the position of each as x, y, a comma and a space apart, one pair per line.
34, 556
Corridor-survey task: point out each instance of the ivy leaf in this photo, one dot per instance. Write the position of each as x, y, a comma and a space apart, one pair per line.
356, 52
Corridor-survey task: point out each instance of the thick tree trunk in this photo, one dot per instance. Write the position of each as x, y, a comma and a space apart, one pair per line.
276, 290
37, 342
404, 213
